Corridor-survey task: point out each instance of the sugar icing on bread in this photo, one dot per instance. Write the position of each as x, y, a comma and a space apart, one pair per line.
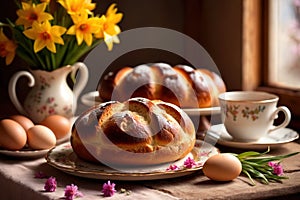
135, 132
181, 85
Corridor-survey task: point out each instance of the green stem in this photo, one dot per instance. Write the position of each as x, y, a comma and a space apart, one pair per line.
249, 176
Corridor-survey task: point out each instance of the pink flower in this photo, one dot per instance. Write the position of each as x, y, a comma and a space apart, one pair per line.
50, 184
172, 168
277, 168
71, 192
189, 163
108, 189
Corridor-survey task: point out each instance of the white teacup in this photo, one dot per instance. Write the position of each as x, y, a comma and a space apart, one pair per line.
249, 115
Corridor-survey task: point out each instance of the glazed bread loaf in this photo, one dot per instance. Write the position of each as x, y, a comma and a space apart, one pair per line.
135, 132
181, 85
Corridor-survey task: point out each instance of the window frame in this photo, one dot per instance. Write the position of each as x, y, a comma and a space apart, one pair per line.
255, 57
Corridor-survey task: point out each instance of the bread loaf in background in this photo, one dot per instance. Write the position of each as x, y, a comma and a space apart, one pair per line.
181, 85
135, 132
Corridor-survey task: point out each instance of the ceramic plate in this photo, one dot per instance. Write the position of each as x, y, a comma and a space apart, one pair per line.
273, 140
26, 152
92, 98
63, 158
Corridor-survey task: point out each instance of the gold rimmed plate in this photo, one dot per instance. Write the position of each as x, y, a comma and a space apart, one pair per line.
92, 98
63, 158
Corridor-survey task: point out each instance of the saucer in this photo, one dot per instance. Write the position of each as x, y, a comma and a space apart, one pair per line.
273, 140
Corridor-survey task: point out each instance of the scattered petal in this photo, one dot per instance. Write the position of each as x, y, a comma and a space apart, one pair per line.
108, 189
50, 184
71, 192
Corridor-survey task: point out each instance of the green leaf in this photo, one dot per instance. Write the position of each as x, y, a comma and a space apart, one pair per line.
248, 154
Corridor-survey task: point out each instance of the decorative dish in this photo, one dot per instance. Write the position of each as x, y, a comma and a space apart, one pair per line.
26, 152
273, 140
63, 158
92, 98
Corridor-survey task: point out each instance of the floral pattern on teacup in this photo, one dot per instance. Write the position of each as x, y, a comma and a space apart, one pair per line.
253, 114
248, 113
233, 110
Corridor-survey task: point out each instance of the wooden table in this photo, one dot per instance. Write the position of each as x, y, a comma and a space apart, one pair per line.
17, 182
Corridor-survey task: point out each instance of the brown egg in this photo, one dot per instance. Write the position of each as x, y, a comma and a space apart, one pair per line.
25, 122
40, 137
12, 135
222, 167
58, 124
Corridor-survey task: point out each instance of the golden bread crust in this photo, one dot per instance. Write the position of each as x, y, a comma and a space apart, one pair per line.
135, 132
181, 85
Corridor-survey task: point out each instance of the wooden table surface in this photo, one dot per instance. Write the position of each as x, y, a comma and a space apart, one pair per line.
17, 182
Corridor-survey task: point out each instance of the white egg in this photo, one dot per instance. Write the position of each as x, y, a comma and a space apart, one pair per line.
40, 137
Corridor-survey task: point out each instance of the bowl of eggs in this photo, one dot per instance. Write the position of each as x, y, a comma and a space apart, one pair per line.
20, 137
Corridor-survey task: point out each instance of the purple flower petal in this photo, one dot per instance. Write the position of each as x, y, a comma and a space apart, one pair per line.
71, 192
50, 184
108, 189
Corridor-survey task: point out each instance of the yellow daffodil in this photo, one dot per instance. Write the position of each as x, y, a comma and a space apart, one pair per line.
84, 28
112, 14
109, 30
7, 48
45, 35
49, 34
75, 7
32, 13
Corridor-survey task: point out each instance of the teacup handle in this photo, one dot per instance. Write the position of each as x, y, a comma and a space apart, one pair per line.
287, 119
84, 75
12, 89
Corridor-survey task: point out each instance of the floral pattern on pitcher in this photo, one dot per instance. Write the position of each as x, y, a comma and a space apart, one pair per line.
44, 84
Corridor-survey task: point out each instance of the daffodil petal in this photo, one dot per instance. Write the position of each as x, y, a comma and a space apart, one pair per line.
108, 41
58, 30
72, 30
79, 37
38, 45
58, 40
88, 38
9, 58
51, 47
30, 34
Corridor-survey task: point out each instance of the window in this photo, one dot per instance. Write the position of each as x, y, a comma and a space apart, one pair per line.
284, 43
266, 65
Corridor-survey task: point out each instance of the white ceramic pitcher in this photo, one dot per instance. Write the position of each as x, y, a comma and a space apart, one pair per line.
50, 93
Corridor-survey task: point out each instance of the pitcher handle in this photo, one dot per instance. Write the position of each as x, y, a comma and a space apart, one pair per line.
12, 89
81, 83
